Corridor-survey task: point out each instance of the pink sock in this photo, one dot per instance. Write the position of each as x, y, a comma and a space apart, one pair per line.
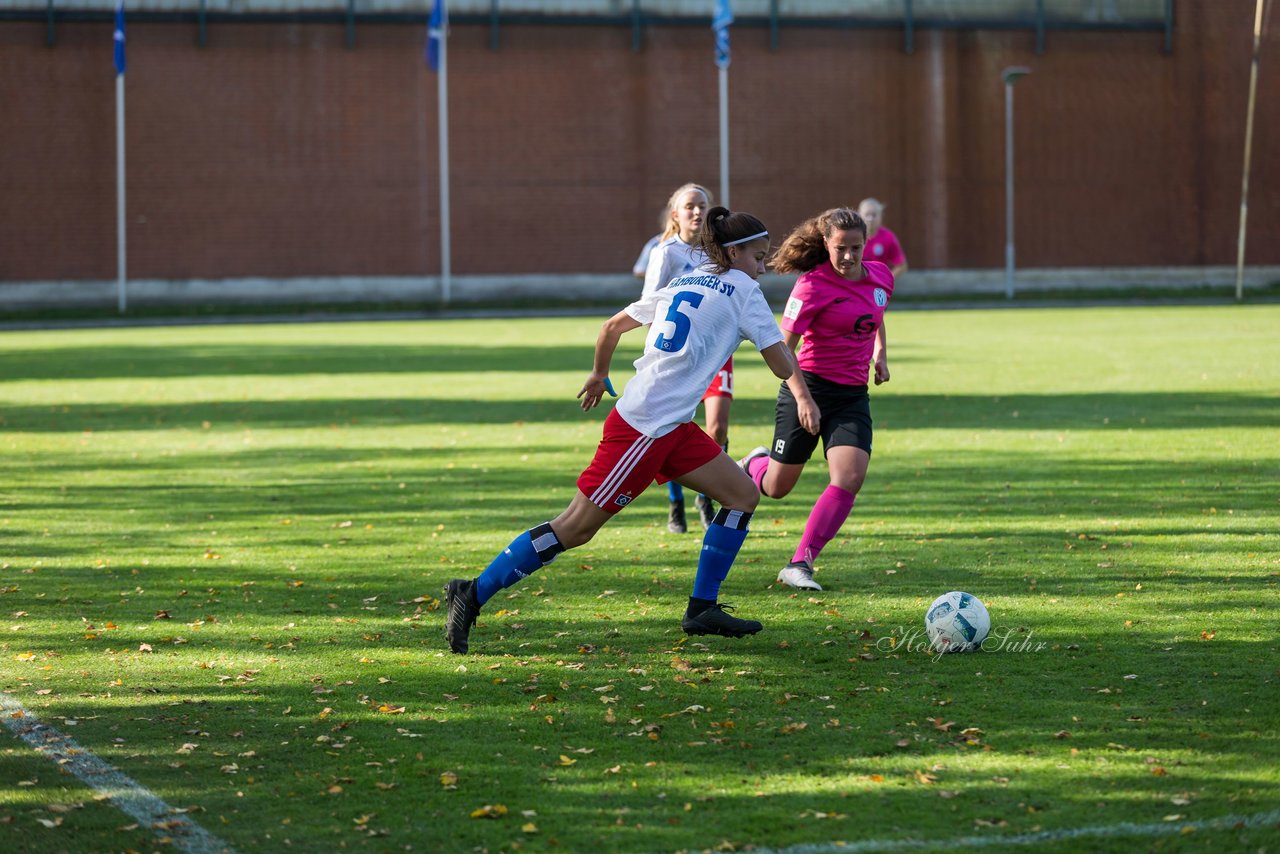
825, 519
756, 470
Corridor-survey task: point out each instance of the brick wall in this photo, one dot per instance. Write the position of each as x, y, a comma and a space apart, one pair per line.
276, 151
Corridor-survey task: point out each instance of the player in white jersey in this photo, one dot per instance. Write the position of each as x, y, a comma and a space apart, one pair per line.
677, 254
694, 325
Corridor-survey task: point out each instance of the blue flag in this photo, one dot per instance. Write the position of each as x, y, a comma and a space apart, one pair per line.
435, 32
119, 36
720, 23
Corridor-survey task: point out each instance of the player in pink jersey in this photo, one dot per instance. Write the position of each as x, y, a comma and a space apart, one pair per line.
695, 323
676, 254
836, 315
882, 244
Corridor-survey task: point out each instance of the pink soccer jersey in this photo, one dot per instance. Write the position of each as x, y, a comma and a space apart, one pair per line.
838, 319
884, 247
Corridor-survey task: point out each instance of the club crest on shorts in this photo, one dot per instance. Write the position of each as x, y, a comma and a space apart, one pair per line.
622, 500
792, 311
882, 297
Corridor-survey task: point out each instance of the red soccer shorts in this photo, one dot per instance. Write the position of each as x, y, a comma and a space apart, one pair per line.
627, 462
722, 385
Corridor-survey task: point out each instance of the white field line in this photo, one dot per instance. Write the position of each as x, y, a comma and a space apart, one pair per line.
124, 793
1167, 828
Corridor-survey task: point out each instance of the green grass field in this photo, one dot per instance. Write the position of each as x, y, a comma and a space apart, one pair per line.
222, 548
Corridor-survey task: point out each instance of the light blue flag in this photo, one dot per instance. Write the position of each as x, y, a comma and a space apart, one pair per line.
720, 23
119, 36
435, 32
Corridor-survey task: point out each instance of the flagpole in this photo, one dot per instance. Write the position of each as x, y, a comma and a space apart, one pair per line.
720, 24
724, 137
1248, 150
118, 36
121, 299
442, 102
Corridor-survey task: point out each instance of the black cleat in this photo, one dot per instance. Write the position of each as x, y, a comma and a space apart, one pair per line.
675, 518
716, 621
706, 510
461, 610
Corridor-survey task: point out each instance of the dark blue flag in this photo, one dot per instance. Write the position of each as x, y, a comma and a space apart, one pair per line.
435, 32
119, 36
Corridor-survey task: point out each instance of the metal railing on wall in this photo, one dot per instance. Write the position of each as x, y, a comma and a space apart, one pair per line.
1039, 17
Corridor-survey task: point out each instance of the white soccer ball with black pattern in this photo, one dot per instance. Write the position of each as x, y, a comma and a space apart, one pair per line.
957, 622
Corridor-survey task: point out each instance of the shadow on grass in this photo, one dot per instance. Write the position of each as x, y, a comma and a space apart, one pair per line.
803, 726
337, 358
1093, 411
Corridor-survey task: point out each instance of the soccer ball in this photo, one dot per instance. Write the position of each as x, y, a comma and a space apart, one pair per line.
957, 622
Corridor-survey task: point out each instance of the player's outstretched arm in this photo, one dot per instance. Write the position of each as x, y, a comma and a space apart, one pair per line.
780, 360
593, 390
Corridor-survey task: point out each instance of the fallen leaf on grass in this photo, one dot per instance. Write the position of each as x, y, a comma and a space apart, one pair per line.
924, 778
490, 811
565, 760
448, 778
528, 827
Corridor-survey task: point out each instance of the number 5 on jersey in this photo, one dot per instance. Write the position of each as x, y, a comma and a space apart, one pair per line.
679, 320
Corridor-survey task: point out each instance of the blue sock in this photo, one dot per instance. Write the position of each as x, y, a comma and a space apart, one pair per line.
529, 552
675, 492
720, 546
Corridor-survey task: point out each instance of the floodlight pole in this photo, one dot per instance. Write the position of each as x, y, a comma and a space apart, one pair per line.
1248, 140
1010, 76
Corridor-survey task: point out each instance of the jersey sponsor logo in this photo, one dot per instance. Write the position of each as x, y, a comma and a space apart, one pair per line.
865, 324
882, 297
792, 311
622, 500
779, 446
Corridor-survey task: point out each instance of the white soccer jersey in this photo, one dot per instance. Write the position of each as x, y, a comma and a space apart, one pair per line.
670, 258
695, 324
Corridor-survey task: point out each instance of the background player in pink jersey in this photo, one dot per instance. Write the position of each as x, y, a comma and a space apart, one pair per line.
678, 252
882, 244
695, 323
836, 314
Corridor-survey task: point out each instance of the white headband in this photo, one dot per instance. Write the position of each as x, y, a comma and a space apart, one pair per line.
746, 239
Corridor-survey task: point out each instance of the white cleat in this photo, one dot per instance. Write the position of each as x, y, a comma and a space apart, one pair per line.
798, 574
745, 462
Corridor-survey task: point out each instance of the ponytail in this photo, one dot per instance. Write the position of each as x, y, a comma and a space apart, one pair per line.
722, 228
